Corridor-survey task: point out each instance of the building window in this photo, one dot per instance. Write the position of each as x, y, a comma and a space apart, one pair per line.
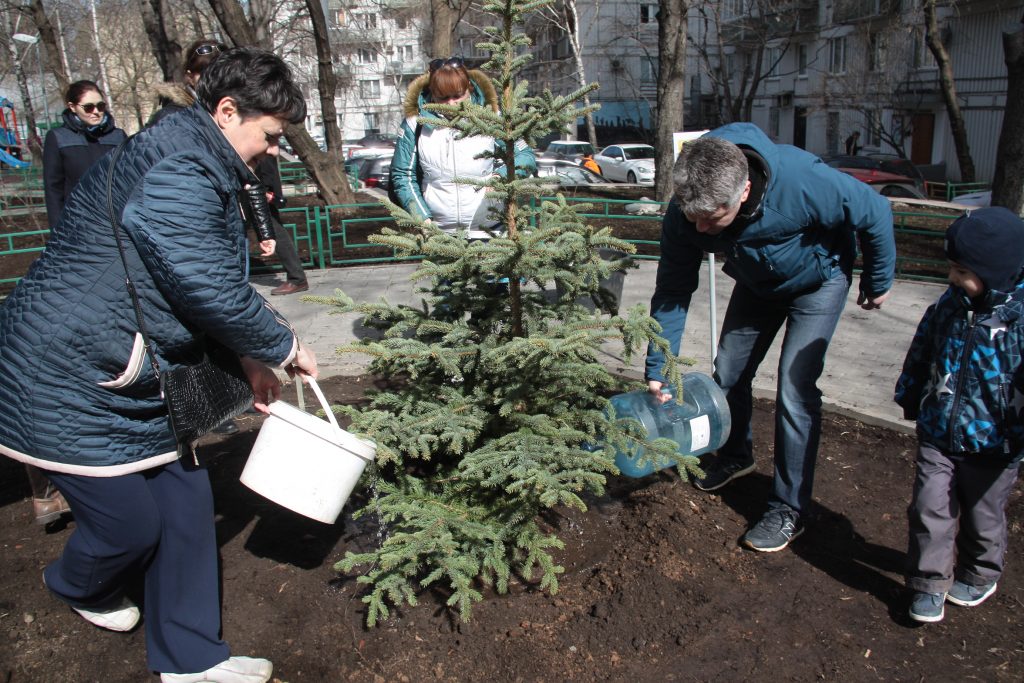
371, 123
367, 56
369, 90
339, 17
406, 53
773, 61
923, 58
365, 20
648, 14
773, 122
648, 70
873, 126
837, 55
801, 59
875, 52
734, 8
401, 22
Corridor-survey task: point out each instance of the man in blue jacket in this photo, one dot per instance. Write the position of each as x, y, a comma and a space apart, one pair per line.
788, 227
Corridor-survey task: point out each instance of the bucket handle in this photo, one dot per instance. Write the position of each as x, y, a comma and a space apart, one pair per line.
319, 395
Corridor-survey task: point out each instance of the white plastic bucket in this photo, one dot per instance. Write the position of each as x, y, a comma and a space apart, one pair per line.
304, 463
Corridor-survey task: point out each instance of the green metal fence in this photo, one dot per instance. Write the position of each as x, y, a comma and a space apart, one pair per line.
326, 237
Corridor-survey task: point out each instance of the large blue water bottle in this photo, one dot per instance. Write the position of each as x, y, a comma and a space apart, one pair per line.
699, 425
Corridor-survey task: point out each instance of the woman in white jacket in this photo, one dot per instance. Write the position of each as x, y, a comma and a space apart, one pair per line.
428, 159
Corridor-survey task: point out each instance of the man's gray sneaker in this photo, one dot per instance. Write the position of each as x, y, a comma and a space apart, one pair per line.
927, 607
775, 530
720, 471
966, 595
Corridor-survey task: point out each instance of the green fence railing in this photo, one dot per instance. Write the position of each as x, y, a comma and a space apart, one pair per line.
332, 236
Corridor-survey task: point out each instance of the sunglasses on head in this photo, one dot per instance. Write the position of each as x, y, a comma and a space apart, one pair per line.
90, 107
453, 62
209, 49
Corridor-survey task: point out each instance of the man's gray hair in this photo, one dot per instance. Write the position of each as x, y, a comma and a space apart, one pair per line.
710, 173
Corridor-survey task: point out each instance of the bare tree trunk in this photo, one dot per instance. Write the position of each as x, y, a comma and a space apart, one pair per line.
573, 17
443, 18
163, 36
105, 82
324, 168
948, 86
671, 81
1008, 183
29, 118
327, 82
261, 13
54, 64
64, 51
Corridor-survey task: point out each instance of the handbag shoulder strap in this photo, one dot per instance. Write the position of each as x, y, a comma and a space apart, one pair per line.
116, 225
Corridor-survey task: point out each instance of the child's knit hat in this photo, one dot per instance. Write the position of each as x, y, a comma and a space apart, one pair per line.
990, 243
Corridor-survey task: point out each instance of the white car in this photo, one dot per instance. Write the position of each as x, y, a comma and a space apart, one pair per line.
627, 163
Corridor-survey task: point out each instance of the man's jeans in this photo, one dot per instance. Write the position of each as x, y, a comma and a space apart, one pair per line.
751, 323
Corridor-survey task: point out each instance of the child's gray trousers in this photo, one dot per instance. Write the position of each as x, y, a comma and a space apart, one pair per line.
950, 490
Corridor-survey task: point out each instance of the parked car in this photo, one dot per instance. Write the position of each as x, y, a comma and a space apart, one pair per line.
568, 174
376, 144
632, 163
375, 172
888, 163
567, 150
353, 166
900, 166
869, 171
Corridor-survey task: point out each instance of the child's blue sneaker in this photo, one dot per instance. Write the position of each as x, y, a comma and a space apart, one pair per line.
967, 595
927, 607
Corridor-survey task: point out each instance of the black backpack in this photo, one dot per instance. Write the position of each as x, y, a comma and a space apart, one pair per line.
392, 194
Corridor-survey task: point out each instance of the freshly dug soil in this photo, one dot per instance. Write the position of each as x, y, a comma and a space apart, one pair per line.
656, 588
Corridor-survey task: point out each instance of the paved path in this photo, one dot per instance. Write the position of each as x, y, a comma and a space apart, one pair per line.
863, 361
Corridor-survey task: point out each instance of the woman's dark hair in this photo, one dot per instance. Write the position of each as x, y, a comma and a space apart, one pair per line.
200, 53
79, 88
259, 82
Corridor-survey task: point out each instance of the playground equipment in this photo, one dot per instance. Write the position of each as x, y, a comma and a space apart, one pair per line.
10, 144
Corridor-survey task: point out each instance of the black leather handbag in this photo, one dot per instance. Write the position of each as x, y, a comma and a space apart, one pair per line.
198, 397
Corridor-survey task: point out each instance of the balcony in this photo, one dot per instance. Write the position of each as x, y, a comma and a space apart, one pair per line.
402, 68
355, 35
847, 11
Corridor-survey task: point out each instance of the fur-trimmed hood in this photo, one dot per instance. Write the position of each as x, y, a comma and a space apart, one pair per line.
173, 93
483, 93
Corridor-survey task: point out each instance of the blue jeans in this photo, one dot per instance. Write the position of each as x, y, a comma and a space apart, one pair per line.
750, 325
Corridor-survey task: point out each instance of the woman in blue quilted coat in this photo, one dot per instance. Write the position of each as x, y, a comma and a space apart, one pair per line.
963, 382
83, 403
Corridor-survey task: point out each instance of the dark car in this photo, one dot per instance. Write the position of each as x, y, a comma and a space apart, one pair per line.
568, 150
375, 172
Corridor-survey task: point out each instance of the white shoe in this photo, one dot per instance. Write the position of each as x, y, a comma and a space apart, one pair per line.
121, 617
233, 670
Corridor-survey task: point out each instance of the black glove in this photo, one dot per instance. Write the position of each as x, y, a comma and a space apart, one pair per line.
256, 211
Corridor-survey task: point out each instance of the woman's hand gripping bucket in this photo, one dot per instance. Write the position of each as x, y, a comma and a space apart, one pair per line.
306, 464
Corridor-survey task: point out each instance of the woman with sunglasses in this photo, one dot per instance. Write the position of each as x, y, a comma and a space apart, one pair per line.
68, 151
428, 158
173, 97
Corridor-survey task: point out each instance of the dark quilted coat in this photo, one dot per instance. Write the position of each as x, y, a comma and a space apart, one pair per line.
69, 324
